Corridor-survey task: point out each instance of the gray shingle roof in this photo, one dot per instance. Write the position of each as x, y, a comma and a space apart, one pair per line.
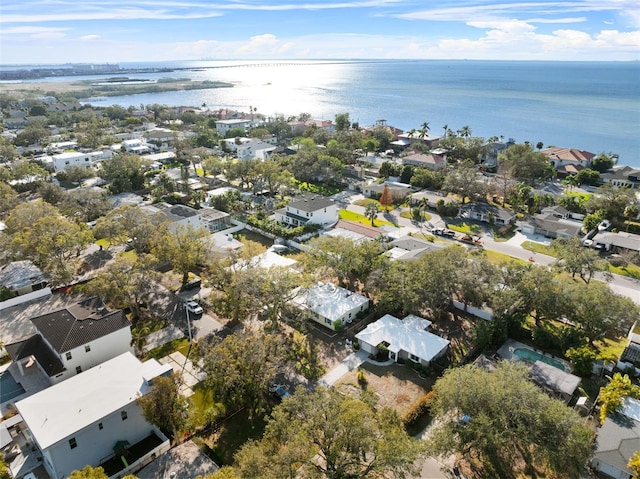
35, 346
79, 324
310, 203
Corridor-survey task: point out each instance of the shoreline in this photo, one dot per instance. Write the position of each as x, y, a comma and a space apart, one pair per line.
85, 89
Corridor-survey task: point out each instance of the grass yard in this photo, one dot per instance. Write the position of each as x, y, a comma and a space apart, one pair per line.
501, 258
181, 345
538, 248
254, 240
225, 440
409, 215
367, 201
358, 218
464, 227
631, 270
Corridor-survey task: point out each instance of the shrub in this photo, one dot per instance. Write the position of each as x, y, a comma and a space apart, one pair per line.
418, 409
362, 379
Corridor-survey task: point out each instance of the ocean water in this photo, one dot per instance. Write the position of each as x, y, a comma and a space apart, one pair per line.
593, 106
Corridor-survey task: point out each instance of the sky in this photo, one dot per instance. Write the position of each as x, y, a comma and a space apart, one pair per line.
59, 31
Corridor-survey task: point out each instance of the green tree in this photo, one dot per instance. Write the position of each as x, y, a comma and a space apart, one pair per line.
4, 468
612, 200
128, 222
124, 171
465, 182
164, 406
240, 369
371, 212
342, 122
325, 434
124, 282
634, 464
582, 359
8, 198
182, 248
631, 213
32, 135
89, 472
612, 394
602, 163
574, 258
498, 420
527, 164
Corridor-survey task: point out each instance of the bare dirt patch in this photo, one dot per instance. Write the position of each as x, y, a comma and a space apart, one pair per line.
396, 386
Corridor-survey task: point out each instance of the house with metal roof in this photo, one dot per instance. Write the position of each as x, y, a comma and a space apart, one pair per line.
93, 418
74, 339
19, 280
405, 339
331, 305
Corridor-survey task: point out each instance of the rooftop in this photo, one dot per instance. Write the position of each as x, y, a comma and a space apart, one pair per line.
409, 334
330, 301
310, 203
79, 324
51, 416
19, 274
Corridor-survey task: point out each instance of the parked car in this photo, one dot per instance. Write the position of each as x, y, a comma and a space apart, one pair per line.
280, 391
193, 307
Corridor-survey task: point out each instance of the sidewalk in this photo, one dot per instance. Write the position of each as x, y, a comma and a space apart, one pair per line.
348, 364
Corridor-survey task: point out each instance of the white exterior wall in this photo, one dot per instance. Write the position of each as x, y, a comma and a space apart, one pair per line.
347, 316
94, 445
223, 126
102, 349
322, 216
67, 160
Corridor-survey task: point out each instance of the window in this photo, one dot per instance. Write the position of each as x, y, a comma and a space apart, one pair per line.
68, 355
414, 358
123, 415
78, 369
349, 314
72, 443
327, 321
100, 426
87, 348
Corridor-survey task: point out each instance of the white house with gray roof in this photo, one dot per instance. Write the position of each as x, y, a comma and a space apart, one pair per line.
81, 421
312, 209
72, 340
331, 305
407, 339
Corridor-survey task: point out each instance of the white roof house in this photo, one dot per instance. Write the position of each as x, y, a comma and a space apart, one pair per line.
407, 339
329, 304
78, 421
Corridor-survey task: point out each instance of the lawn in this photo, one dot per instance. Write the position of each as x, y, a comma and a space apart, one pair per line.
255, 241
538, 248
181, 345
501, 258
367, 201
631, 270
229, 436
358, 218
409, 215
464, 227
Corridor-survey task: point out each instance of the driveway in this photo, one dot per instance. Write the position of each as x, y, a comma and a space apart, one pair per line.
349, 363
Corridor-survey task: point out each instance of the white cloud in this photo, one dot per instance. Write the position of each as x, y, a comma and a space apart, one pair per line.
126, 13
26, 30
89, 37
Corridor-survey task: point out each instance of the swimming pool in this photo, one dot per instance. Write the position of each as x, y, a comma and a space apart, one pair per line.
9, 388
532, 356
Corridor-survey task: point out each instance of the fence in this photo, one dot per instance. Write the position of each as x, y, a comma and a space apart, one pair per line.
25, 297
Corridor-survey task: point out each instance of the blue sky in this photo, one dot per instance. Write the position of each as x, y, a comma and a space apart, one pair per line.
53, 31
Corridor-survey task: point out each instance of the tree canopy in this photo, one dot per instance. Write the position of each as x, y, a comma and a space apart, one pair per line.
325, 434
500, 422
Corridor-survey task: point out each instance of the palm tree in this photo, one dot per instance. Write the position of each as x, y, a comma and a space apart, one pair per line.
465, 132
412, 132
446, 130
424, 130
371, 212
139, 338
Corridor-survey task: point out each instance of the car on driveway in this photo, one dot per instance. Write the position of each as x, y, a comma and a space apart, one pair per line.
279, 391
193, 307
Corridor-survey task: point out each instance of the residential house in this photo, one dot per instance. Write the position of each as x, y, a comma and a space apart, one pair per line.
488, 213
489, 159
331, 305
406, 339
622, 176
559, 157
249, 148
182, 216
88, 418
417, 137
431, 198
223, 126
19, 280
356, 232
620, 241
409, 248
308, 210
551, 226
135, 146
62, 146
73, 339
162, 137
435, 160
62, 161
617, 440
398, 191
